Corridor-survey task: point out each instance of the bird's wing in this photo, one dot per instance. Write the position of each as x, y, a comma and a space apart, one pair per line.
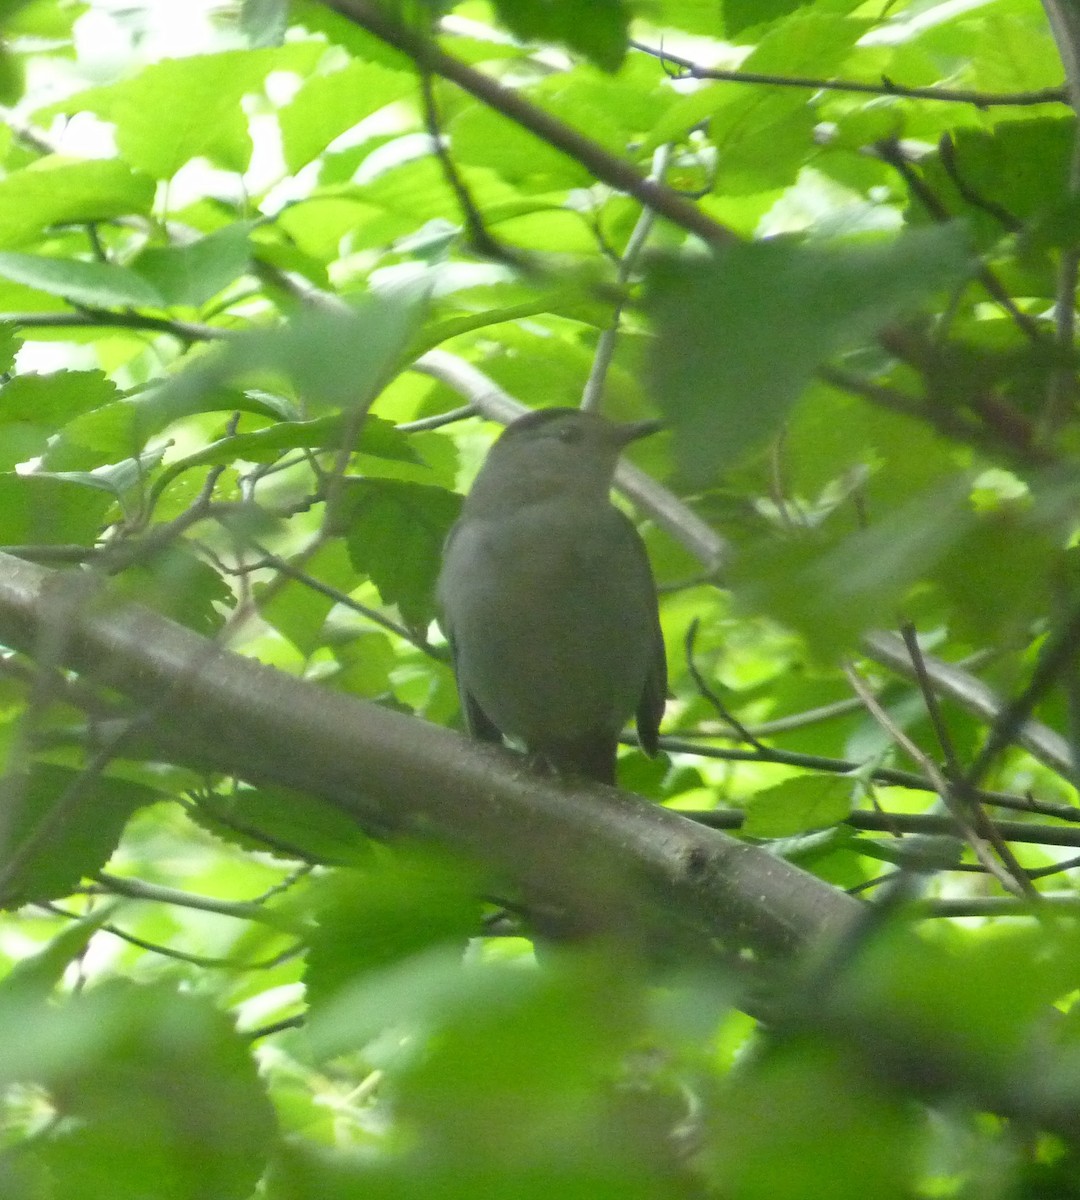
477, 722
650, 706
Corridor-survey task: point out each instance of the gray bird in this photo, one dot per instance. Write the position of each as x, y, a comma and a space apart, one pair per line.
548, 599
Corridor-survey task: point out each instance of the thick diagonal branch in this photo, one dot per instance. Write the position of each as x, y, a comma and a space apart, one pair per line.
610, 860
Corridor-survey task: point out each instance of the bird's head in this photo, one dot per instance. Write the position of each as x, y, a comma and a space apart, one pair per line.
555, 451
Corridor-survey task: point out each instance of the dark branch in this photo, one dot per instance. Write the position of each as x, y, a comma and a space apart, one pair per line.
610, 860
616, 172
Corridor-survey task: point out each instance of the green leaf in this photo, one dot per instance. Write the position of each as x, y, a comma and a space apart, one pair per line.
377, 437
335, 358
185, 108
62, 826
54, 192
1017, 167
832, 589
46, 19
998, 577
744, 14
99, 285
38, 1039
692, 16
120, 430
35, 976
394, 531
810, 43
1001, 987
281, 822
813, 1122
598, 30
170, 1106
394, 909
524, 1051
181, 587
297, 610
740, 333
12, 79
328, 105
190, 275
9, 347
44, 510
797, 806
52, 400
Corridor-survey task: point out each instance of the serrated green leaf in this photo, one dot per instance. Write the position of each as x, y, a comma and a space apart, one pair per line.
328, 105
394, 531
120, 430
53, 191
832, 589
299, 611
41, 510
183, 108
598, 30
100, 285
51, 400
169, 1104
287, 824
1018, 170
190, 275
335, 358
63, 825
181, 587
385, 913
741, 332
797, 806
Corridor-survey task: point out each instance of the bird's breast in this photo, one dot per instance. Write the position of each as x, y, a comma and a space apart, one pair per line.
551, 616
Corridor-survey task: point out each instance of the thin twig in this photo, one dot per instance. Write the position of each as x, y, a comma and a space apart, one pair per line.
605, 346
1057, 656
933, 708
708, 693
423, 424
89, 318
947, 158
253, 1035
141, 889
889, 776
214, 962
977, 829
933, 824
974, 696
481, 240
271, 561
991, 906
890, 151
1050, 95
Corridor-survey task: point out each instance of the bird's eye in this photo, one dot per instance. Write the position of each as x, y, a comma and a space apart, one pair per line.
570, 434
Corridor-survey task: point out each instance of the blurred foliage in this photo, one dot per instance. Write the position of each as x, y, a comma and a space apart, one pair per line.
224, 240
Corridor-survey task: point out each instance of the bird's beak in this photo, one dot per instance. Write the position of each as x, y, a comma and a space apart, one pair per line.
634, 430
